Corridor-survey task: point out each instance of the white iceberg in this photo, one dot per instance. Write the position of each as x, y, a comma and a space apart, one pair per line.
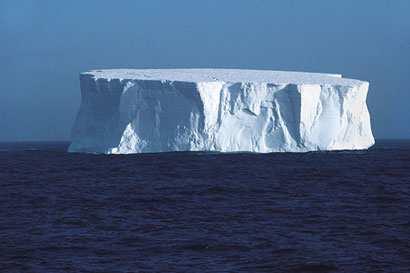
227, 110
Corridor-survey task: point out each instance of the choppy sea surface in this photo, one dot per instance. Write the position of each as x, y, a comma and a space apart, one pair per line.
202, 212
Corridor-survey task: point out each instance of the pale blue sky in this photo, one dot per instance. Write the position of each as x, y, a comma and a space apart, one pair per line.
44, 44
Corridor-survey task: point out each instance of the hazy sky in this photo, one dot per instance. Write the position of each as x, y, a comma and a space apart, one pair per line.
45, 44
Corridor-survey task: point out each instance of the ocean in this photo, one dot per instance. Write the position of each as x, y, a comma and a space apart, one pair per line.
346, 211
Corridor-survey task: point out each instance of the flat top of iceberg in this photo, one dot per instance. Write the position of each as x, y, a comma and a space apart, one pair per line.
223, 75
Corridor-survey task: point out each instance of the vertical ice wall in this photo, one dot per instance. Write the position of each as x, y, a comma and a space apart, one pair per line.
155, 115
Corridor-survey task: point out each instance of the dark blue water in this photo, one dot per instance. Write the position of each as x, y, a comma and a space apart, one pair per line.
193, 212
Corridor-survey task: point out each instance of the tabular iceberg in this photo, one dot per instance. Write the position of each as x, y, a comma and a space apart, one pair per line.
226, 110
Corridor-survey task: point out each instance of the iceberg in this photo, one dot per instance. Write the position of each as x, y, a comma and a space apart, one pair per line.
223, 110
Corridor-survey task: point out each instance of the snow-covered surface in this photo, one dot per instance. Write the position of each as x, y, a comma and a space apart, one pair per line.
224, 75
226, 110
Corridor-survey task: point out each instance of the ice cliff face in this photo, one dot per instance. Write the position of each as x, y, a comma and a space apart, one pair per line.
227, 110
